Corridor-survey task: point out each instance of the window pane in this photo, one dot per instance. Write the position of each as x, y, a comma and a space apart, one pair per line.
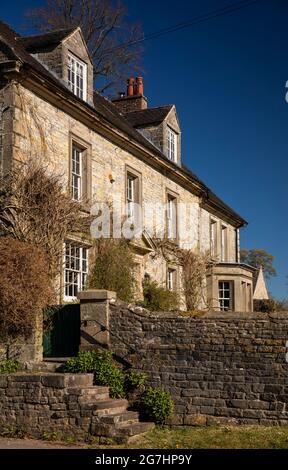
171, 144
76, 178
171, 217
76, 268
224, 288
76, 76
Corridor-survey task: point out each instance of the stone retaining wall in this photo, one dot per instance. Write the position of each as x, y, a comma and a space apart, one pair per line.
223, 367
45, 403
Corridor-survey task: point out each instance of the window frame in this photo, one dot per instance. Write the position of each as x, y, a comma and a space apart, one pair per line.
75, 175
72, 84
173, 198
86, 183
130, 194
172, 145
80, 273
171, 279
135, 177
223, 298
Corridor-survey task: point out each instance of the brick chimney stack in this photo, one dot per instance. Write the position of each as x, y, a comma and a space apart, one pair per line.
134, 99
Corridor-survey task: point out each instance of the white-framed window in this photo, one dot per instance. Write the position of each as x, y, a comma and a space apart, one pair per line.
130, 197
172, 145
223, 243
213, 238
225, 296
171, 279
76, 269
171, 217
77, 76
76, 173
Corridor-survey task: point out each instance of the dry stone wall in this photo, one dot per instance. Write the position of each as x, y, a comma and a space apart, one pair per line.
219, 368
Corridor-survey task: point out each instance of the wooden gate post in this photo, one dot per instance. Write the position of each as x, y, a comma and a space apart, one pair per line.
94, 314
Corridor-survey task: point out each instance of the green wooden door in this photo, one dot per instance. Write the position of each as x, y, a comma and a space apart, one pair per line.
61, 336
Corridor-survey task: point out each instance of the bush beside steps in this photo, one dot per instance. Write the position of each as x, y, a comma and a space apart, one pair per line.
154, 404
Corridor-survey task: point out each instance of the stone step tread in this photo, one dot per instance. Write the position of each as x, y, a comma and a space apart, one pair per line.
113, 403
121, 418
90, 400
96, 387
79, 380
136, 428
94, 390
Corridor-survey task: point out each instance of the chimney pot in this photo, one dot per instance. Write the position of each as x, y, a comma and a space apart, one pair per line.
130, 87
139, 86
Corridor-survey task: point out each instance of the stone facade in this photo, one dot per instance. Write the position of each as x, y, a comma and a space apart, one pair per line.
60, 129
45, 122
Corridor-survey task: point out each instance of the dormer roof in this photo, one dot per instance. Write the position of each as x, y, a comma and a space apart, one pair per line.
149, 116
44, 42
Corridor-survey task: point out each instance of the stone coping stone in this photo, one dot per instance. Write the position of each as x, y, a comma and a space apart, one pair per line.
98, 294
56, 380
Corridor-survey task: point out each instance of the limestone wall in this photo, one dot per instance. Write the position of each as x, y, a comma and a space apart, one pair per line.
44, 129
45, 403
228, 367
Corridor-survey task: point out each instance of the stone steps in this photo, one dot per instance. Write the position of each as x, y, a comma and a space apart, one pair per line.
94, 393
120, 419
48, 365
123, 433
131, 430
82, 381
111, 419
110, 407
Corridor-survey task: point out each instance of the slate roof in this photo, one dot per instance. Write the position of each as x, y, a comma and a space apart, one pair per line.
106, 110
44, 42
149, 116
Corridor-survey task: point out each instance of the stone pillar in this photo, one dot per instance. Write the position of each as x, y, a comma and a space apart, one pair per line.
94, 314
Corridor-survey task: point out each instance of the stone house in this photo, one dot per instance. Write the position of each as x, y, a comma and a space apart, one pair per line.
118, 151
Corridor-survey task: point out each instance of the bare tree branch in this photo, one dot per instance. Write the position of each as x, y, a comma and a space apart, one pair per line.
103, 26
34, 209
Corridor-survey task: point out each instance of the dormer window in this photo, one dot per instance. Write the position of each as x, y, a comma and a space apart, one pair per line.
77, 77
172, 145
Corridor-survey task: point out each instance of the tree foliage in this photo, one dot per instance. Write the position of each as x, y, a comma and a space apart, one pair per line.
113, 268
258, 258
104, 29
157, 298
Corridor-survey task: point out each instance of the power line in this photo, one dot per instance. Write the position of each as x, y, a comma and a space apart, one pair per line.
186, 24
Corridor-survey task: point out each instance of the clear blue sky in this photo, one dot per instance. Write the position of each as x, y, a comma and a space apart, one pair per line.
227, 78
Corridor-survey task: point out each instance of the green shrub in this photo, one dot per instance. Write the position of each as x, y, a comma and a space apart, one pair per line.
105, 371
158, 405
83, 362
114, 268
157, 298
13, 433
10, 366
135, 380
